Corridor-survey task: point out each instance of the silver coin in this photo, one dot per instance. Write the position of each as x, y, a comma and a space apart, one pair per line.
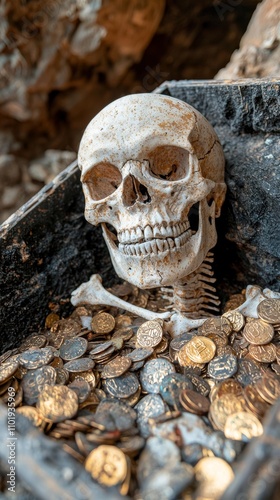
34, 358
153, 373
222, 367
150, 406
34, 380
73, 348
140, 354
114, 414
122, 387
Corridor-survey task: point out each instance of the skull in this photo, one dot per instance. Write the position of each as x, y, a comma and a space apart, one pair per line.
153, 170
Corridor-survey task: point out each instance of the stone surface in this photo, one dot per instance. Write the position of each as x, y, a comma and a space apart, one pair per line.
259, 52
245, 116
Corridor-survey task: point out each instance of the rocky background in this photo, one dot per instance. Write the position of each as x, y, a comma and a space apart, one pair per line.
61, 61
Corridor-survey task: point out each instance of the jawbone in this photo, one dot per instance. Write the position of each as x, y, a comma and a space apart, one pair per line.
168, 266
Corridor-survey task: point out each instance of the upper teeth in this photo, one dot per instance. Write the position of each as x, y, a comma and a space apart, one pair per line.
153, 240
138, 234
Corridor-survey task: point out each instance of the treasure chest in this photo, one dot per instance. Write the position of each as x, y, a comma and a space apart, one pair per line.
48, 250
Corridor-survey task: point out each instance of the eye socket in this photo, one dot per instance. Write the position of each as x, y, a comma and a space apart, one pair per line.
169, 163
102, 180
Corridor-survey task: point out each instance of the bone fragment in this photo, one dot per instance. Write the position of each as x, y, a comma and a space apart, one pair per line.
255, 295
92, 292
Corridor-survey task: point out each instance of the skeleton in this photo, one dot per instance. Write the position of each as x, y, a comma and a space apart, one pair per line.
153, 168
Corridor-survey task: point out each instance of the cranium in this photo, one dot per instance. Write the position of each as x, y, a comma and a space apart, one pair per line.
153, 168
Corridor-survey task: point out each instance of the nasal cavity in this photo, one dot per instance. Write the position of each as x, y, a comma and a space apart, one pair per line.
134, 191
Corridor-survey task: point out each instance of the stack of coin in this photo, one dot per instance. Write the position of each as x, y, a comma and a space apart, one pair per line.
101, 381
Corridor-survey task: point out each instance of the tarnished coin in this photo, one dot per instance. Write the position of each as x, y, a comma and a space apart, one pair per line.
162, 346
56, 339
224, 406
177, 343
57, 403
34, 341
242, 426
213, 475
89, 376
234, 301
103, 323
73, 348
219, 339
236, 318
153, 373
115, 414
200, 349
79, 365
171, 387
222, 367
149, 407
254, 401
199, 383
149, 334
140, 354
67, 327
269, 310
269, 387
82, 388
194, 402
122, 387
263, 353
34, 381
123, 333
101, 348
216, 325
107, 465
7, 370
117, 367
258, 332
62, 376
248, 372
34, 358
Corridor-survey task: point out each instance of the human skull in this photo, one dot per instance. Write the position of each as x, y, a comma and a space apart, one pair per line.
153, 168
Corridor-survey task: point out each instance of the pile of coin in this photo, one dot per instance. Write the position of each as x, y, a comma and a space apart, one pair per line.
143, 411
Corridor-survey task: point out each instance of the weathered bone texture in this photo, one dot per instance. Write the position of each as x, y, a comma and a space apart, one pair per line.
153, 168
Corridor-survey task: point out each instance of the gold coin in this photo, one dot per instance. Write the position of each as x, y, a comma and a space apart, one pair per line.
236, 318
200, 349
149, 334
224, 406
103, 323
184, 359
263, 353
234, 302
107, 465
216, 325
57, 403
269, 310
242, 426
213, 475
51, 319
258, 332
